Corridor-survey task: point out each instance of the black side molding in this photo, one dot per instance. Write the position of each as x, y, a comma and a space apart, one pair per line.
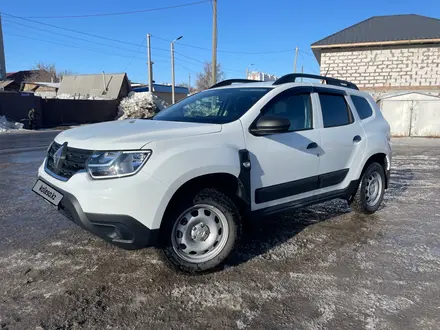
267, 194
343, 193
244, 178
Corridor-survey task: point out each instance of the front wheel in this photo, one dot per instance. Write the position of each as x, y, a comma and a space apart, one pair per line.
371, 190
200, 234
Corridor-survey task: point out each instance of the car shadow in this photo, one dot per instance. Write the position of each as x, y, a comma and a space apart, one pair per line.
400, 181
260, 235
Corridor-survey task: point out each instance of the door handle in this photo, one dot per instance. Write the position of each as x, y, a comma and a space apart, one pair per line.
312, 145
357, 139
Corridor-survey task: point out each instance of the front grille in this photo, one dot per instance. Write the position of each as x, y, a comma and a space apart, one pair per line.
74, 161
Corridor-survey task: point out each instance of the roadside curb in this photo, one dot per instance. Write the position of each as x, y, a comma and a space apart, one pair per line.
18, 150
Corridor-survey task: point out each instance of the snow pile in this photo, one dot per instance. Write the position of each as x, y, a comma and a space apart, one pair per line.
66, 96
140, 105
7, 126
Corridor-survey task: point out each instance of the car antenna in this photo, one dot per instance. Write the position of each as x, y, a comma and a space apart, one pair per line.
322, 81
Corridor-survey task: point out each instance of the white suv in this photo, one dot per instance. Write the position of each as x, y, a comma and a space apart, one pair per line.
185, 180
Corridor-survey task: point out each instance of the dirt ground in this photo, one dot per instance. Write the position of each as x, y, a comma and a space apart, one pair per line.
323, 267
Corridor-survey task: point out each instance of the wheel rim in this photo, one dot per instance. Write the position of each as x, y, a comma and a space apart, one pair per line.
200, 233
373, 188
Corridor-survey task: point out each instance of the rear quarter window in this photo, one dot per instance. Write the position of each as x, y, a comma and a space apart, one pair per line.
363, 107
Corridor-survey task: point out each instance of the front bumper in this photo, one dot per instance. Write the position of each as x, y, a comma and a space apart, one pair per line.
121, 230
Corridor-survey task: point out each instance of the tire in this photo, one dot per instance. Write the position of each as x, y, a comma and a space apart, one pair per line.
368, 197
200, 233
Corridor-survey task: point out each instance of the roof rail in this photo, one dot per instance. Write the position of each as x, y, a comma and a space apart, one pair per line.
228, 82
291, 77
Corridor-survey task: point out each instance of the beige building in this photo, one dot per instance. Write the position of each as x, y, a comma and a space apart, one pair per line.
395, 58
384, 53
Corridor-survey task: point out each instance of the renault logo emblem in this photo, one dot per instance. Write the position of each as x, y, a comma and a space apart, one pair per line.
58, 158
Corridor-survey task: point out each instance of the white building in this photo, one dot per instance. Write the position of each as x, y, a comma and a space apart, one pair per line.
256, 75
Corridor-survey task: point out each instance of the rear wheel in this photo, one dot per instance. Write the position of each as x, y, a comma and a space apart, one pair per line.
199, 234
371, 190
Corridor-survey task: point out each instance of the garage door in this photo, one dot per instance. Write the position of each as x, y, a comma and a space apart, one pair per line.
413, 114
425, 118
398, 115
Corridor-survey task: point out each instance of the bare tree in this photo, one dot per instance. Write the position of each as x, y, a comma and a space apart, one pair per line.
186, 85
204, 78
45, 72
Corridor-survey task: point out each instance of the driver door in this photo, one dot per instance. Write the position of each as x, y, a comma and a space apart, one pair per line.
285, 166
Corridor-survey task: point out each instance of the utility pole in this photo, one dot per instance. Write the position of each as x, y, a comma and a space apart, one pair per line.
247, 70
214, 42
2, 54
189, 83
173, 95
150, 69
172, 74
296, 58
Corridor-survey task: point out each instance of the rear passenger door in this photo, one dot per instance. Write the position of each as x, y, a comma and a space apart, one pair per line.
342, 140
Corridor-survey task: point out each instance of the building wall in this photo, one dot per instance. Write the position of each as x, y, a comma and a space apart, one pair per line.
385, 68
167, 97
256, 75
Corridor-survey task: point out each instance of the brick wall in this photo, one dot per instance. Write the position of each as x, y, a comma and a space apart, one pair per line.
415, 66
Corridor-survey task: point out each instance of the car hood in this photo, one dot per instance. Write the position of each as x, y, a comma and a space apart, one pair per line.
130, 134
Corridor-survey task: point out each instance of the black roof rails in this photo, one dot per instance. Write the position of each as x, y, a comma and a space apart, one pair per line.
228, 82
291, 77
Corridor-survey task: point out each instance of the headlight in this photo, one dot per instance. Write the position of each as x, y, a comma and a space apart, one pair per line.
116, 164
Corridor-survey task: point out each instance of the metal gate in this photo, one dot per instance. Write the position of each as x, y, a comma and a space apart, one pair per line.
412, 115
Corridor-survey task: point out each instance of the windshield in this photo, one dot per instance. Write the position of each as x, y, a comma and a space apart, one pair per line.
218, 106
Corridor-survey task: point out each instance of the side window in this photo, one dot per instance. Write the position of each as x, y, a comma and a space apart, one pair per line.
295, 107
335, 111
362, 106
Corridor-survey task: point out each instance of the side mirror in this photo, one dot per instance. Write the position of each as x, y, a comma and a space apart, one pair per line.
271, 125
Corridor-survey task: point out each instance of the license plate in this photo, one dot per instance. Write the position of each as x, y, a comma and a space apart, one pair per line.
47, 192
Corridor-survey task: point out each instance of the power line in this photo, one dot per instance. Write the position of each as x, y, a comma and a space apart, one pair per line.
72, 46
94, 42
81, 48
183, 67
201, 62
97, 36
227, 51
307, 53
79, 32
191, 58
131, 61
123, 12
304, 60
69, 36
102, 44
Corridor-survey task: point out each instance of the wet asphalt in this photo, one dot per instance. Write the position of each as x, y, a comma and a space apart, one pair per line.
323, 267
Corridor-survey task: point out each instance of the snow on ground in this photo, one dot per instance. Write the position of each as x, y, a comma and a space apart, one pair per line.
140, 105
66, 96
7, 125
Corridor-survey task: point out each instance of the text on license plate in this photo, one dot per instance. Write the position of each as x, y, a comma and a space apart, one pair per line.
47, 192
